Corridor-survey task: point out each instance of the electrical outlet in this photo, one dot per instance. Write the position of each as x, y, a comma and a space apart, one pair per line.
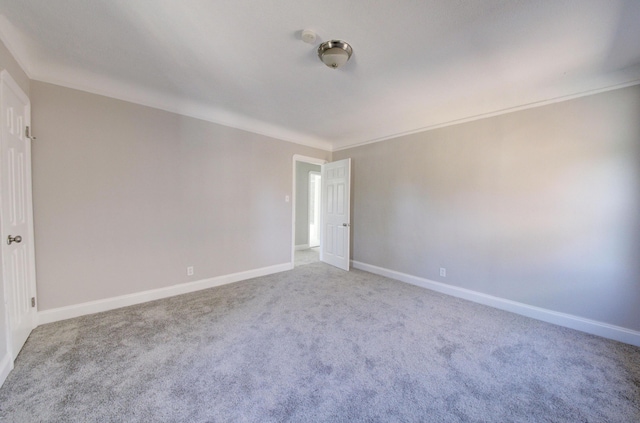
190, 271
443, 272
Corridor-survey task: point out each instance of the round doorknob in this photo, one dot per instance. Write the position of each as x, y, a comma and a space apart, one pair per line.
16, 238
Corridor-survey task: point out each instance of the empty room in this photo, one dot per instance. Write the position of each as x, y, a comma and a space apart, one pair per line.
339, 211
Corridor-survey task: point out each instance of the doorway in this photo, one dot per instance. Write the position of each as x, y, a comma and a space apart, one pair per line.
334, 215
306, 210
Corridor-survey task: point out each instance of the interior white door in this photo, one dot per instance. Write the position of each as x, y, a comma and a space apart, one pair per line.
336, 188
18, 263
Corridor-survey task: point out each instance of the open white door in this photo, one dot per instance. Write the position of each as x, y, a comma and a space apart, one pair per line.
18, 262
335, 235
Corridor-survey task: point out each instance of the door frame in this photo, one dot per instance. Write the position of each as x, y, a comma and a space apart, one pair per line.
303, 159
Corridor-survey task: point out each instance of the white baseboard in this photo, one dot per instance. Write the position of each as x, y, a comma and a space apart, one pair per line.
6, 365
593, 327
302, 247
76, 310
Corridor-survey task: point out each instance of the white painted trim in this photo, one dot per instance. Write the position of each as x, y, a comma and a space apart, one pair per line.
17, 49
76, 310
307, 159
108, 87
302, 247
480, 116
6, 365
77, 79
593, 327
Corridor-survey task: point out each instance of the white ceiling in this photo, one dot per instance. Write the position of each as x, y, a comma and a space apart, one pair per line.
416, 65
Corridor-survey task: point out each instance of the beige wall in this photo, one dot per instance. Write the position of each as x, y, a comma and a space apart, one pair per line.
540, 206
127, 196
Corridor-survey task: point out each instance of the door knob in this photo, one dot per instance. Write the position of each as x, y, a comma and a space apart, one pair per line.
345, 224
11, 239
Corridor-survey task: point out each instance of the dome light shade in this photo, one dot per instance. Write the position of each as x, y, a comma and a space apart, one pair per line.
334, 53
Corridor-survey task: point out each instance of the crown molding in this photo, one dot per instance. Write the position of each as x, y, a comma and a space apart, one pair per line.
119, 90
8, 36
532, 105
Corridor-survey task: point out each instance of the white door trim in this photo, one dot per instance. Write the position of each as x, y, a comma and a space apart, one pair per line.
303, 159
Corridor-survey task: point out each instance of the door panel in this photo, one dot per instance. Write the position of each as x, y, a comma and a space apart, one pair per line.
16, 214
336, 181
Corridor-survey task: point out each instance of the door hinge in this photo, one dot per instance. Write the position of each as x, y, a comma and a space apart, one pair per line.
33, 301
27, 133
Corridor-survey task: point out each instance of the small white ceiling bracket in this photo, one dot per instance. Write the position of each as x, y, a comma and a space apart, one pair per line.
308, 36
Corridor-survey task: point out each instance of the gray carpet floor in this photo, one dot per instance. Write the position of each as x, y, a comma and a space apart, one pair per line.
318, 344
307, 256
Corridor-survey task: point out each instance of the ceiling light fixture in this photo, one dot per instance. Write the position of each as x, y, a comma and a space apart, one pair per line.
334, 53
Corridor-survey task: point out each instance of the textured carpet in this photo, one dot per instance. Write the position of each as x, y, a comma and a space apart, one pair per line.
318, 344
307, 256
